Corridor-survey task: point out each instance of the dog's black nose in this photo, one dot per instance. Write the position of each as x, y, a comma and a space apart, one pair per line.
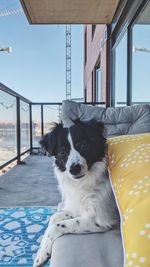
75, 169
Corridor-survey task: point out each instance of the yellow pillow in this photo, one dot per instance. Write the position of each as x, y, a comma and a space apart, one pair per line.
129, 167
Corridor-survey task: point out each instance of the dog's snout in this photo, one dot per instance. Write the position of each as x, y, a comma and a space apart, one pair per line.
75, 169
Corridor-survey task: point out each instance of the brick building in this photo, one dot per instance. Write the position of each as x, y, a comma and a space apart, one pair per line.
95, 63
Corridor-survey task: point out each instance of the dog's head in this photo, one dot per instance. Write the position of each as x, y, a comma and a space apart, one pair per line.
76, 148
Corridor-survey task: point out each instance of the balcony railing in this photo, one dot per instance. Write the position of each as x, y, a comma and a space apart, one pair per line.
123, 103
23, 123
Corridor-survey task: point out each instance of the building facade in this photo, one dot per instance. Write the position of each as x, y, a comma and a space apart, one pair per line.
117, 57
95, 63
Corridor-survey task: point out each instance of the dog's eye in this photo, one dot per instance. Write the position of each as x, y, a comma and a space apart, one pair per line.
77, 144
81, 145
62, 153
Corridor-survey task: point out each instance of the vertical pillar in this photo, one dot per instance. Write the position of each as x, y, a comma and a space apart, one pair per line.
42, 121
30, 110
108, 67
18, 132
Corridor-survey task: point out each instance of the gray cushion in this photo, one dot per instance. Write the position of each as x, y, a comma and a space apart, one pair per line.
118, 121
101, 249
88, 250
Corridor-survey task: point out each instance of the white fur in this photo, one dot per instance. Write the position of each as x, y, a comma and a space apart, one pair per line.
88, 204
76, 158
88, 194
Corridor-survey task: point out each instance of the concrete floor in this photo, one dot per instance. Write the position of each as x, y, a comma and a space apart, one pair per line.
32, 184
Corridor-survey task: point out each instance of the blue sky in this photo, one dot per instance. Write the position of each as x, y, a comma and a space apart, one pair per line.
36, 66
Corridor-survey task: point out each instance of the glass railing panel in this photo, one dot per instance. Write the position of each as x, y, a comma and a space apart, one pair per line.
8, 136
50, 114
36, 125
24, 126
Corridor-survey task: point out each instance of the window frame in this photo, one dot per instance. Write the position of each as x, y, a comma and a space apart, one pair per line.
93, 30
85, 45
95, 89
124, 20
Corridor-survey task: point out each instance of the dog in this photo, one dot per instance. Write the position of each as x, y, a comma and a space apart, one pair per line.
88, 204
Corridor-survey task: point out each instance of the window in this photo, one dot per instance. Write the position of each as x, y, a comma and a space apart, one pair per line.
93, 29
141, 58
130, 77
97, 83
85, 46
120, 86
85, 95
93, 86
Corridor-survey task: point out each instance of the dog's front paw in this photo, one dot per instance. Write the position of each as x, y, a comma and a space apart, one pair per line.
60, 216
41, 258
44, 252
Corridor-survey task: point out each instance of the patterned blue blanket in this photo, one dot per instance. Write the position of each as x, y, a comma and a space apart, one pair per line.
21, 230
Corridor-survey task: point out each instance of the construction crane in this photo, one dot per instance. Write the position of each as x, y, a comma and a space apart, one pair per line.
68, 61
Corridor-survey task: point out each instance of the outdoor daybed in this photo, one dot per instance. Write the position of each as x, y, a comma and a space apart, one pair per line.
129, 167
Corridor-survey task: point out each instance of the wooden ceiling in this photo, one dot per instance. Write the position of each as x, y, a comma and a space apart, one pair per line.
69, 11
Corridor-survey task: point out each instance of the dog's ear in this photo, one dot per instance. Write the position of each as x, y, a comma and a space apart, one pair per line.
77, 121
92, 123
100, 127
94, 129
49, 140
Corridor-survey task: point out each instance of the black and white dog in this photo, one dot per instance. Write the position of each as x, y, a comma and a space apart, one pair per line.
81, 169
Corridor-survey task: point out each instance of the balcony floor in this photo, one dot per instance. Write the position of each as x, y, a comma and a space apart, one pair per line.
32, 184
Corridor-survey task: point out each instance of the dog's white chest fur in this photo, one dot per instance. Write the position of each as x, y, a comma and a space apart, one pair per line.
91, 194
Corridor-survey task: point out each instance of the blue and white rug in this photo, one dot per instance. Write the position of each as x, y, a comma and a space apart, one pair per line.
21, 231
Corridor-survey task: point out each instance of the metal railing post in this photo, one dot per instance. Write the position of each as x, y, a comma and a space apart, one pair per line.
18, 131
19, 134
31, 145
42, 121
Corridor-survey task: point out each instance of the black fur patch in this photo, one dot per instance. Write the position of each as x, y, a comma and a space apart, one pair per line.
88, 140
56, 143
